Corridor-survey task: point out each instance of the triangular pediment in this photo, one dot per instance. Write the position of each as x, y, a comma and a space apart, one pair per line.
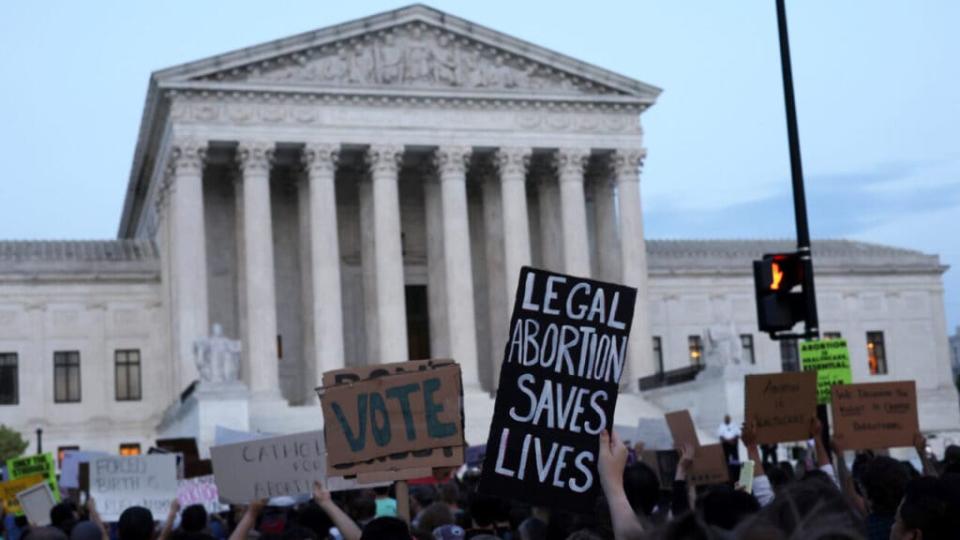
413, 48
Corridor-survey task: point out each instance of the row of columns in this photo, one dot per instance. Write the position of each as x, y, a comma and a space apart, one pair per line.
387, 317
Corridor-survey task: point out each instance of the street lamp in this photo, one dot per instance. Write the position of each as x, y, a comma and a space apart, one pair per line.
39, 440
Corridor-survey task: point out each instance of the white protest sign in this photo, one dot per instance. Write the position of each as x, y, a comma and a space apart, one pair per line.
273, 467
70, 466
117, 483
201, 490
36, 503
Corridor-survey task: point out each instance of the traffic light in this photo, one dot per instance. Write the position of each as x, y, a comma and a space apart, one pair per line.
779, 306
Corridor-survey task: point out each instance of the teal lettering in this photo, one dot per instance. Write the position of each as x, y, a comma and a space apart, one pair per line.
381, 432
435, 428
356, 442
402, 394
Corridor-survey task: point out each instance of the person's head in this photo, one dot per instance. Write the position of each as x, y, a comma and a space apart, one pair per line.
532, 529
450, 493
484, 510
386, 528
726, 419
725, 508
884, 481
642, 487
136, 523
436, 515
314, 518
43, 533
448, 532
86, 530
421, 497
812, 509
193, 518
928, 512
363, 506
382, 491
64, 516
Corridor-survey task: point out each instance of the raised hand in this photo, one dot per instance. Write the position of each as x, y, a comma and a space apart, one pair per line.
612, 459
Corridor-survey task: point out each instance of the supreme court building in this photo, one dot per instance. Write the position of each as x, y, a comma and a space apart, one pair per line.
367, 193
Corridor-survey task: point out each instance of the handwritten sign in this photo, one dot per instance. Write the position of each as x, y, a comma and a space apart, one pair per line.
200, 490
781, 404
875, 415
566, 352
36, 502
70, 466
830, 359
682, 429
272, 467
118, 483
10, 488
420, 401
709, 466
37, 464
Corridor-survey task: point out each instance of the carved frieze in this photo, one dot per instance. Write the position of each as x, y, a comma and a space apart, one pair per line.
413, 55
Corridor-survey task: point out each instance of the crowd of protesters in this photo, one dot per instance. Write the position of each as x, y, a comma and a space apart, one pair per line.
878, 497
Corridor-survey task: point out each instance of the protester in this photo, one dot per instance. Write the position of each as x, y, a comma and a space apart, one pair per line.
729, 435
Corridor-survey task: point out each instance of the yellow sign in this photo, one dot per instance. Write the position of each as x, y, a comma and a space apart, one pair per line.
10, 488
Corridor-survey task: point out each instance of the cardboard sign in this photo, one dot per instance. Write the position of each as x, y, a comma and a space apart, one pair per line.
36, 502
70, 467
709, 466
201, 490
782, 405
37, 464
425, 452
562, 363
875, 415
682, 429
10, 488
831, 360
272, 467
118, 483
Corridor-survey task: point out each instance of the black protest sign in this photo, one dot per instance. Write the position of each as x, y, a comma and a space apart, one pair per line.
565, 354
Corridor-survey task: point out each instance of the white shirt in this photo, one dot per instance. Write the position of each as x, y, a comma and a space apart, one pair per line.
728, 432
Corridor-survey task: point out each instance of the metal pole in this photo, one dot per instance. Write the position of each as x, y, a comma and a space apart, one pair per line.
39, 440
796, 173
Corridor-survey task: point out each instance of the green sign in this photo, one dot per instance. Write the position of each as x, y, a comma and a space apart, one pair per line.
41, 464
831, 360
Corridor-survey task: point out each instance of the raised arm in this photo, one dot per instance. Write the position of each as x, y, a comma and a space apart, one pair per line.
95, 518
611, 461
248, 521
347, 527
846, 479
167, 530
762, 490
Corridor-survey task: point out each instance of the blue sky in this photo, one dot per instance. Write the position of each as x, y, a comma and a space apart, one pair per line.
876, 84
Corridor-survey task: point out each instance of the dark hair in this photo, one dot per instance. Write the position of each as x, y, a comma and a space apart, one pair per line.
450, 493
386, 528
884, 480
363, 506
435, 515
311, 516
642, 487
927, 507
813, 509
725, 508
63, 516
136, 523
193, 518
484, 509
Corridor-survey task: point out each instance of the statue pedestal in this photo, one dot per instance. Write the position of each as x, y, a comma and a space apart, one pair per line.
225, 404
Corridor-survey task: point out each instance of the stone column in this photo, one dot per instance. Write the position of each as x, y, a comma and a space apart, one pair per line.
188, 255
260, 306
451, 163
633, 262
570, 163
497, 296
384, 163
436, 273
326, 301
607, 248
513, 164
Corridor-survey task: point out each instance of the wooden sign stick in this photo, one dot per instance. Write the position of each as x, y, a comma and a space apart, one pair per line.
403, 500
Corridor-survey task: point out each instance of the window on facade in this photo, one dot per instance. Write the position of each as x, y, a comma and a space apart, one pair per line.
66, 376
746, 343
62, 451
832, 335
876, 353
127, 375
130, 449
789, 355
695, 344
658, 353
9, 391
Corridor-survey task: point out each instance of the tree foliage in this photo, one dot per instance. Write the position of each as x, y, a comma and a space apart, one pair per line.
11, 443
